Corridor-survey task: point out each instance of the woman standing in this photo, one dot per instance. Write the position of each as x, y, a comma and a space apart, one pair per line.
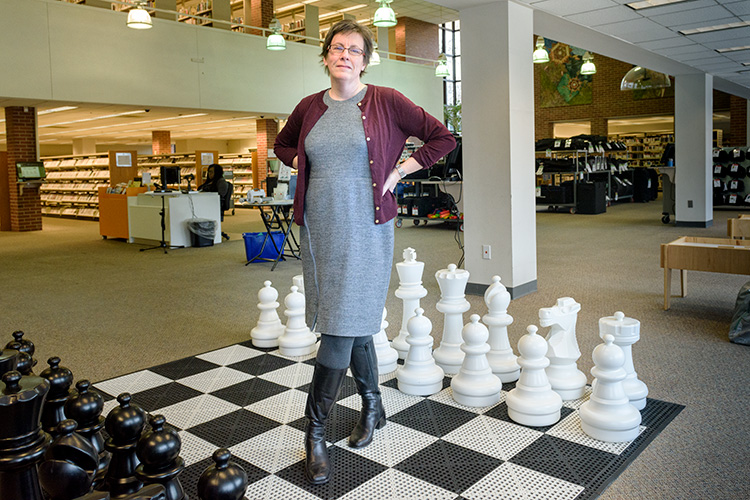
346, 143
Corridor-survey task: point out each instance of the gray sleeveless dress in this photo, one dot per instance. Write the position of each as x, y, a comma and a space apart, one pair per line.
346, 257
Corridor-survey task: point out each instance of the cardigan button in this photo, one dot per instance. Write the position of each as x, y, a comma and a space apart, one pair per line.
364, 117
374, 184
377, 208
359, 104
368, 138
377, 221
371, 162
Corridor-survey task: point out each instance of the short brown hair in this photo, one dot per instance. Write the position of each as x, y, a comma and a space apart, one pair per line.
349, 26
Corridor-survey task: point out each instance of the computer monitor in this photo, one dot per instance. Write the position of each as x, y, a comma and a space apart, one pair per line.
30, 170
454, 163
169, 176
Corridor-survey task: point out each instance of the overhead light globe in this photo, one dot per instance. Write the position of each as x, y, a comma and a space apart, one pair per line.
275, 40
384, 17
139, 18
588, 67
540, 53
639, 78
374, 59
442, 70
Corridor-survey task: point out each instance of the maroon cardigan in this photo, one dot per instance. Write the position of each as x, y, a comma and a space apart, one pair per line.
389, 119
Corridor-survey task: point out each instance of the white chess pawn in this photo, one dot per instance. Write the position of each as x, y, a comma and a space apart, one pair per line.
453, 305
266, 333
420, 376
503, 362
563, 353
299, 282
387, 356
626, 331
533, 402
475, 385
410, 290
608, 414
297, 339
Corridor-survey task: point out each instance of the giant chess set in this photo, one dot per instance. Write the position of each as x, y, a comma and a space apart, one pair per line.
470, 419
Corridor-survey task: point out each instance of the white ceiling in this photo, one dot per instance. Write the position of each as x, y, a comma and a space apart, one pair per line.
653, 31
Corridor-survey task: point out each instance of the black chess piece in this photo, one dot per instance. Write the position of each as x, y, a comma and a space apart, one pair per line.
22, 440
25, 362
9, 358
124, 425
148, 492
27, 346
60, 379
159, 453
85, 407
69, 465
224, 480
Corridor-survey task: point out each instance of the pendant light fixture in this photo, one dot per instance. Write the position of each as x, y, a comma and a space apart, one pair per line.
138, 17
374, 57
588, 67
275, 40
540, 53
442, 70
639, 78
384, 16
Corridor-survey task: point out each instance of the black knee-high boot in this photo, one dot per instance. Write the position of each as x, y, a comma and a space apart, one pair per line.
324, 391
364, 366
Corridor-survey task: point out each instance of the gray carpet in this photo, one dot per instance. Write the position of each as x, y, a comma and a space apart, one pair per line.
107, 309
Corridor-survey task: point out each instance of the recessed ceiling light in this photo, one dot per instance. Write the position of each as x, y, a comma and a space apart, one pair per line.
733, 49
56, 110
718, 27
102, 117
645, 4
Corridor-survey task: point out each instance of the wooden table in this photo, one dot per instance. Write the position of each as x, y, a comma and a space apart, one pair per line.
715, 255
738, 228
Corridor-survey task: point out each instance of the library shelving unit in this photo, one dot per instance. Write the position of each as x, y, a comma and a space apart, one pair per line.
731, 178
645, 150
72, 183
241, 167
549, 183
202, 8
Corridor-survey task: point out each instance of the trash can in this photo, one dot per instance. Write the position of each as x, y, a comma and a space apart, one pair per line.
202, 232
667, 192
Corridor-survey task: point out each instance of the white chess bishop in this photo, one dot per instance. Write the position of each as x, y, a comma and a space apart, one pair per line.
563, 353
420, 376
533, 402
386, 355
453, 305
297, 339
269, 327
410, 290
475, 385
608, 415
626, 331
503, 362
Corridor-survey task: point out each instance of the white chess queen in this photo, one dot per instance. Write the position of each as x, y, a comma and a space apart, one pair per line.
345, 143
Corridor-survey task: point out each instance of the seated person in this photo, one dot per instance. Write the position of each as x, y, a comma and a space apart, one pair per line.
215, 183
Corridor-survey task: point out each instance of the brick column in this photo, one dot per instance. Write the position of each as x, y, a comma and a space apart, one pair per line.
266, 130
161, 142
737, 122
20, 128
258, 13
599, 126
416, 38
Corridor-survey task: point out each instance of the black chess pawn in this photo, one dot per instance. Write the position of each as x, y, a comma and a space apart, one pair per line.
224, 480
60, 379
22, 440
159, 453
9, 358
27, 346
25, 363
69, 465
85, 407
124, 425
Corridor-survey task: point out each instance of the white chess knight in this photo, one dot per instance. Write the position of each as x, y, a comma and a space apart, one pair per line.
626, 331
475, 385
453, 305
386, 355
420, 376
608, 414
563, 353
533, 402
503, 362
269, 327
410, 290
297, 339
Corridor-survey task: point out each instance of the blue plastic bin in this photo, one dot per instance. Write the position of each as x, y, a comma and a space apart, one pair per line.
254, 244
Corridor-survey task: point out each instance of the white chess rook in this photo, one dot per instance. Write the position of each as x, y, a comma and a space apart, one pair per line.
410, 290
297, 339
626, 331
387, 356
608, 414
269, 327
533, 402
420, 376
503, 362
475, 385
453, 305
563, 353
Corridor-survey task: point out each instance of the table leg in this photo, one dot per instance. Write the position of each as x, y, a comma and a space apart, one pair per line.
683, 282
667, 287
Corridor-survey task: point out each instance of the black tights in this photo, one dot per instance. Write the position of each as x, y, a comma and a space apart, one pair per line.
336, 352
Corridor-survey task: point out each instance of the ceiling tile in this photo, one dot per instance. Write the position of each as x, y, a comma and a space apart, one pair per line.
566, 7
739, 8
722, 35
706, 15
675, 8
604, 16
675, 41
625, 27
723, 44
676, 51
648, 35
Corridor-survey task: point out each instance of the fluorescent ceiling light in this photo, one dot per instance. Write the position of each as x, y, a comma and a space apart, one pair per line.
733, 49
94, 118
718, 27
294, 6
645, 4
56, 110
746, 64
341, 11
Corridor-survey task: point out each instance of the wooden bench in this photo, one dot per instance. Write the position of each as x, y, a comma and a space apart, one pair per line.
739, 228
715, 255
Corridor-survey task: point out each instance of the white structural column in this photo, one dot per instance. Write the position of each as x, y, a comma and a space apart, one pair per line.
498, 145
693, 116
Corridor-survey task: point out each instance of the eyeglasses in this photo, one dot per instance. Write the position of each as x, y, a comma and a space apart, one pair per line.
339, 49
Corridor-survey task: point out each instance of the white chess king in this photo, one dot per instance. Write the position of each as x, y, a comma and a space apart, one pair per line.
410, 290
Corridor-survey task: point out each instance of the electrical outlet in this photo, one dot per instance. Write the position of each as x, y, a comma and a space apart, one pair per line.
486, 252
690, 203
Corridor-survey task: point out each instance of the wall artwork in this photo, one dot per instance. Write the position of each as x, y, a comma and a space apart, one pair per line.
560, 80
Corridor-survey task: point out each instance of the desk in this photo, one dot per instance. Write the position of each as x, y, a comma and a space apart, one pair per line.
144, 220
277, 216
715, 255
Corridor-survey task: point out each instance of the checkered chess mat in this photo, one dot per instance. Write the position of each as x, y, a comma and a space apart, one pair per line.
251, 401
